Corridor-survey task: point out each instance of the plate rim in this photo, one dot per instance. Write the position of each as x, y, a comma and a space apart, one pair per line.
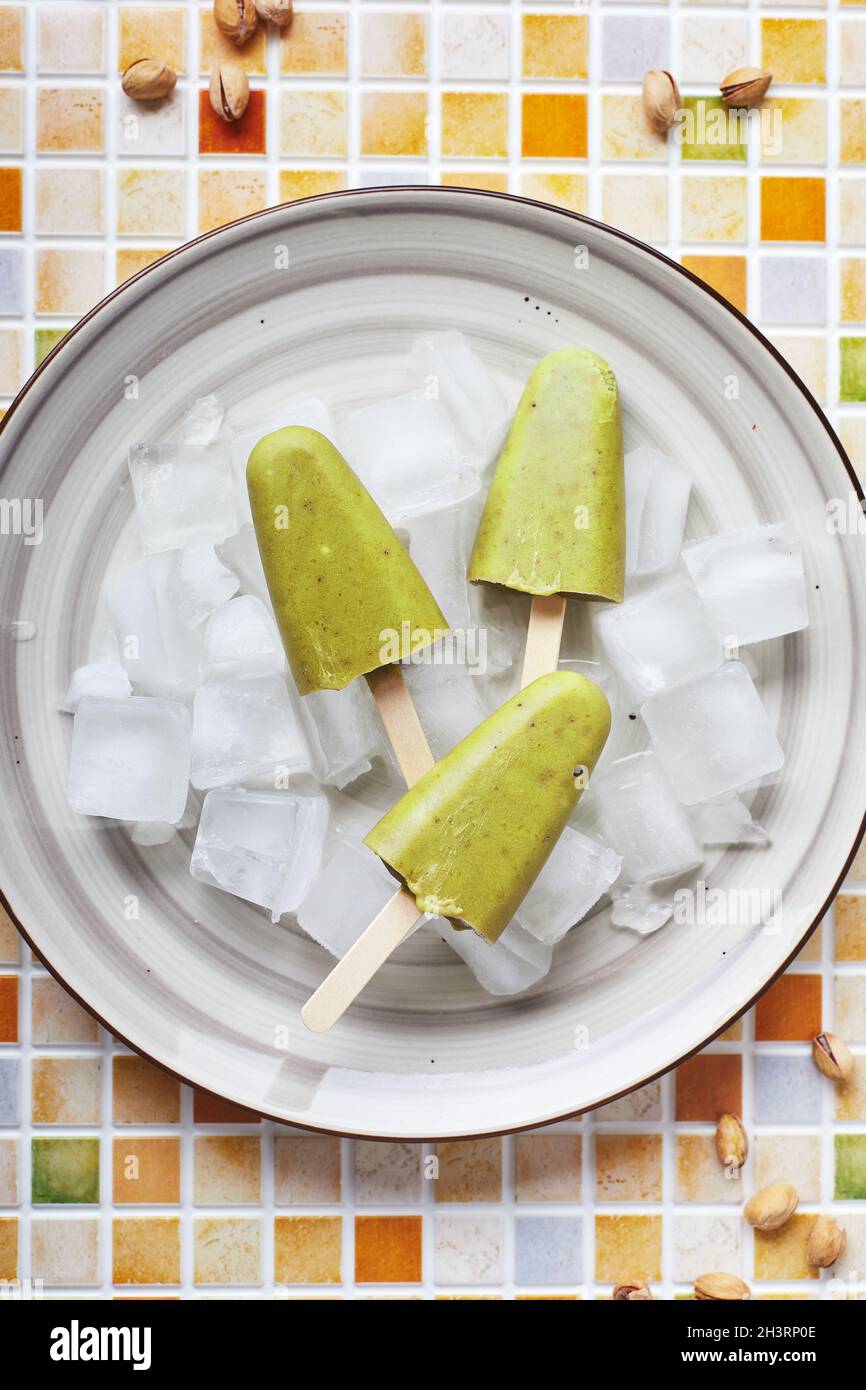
437, 190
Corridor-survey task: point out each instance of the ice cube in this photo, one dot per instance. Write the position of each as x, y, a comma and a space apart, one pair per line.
348, 730
153, 832
130, 758
508, 966
407, 452
726, 821
656, 502
265, 847
448, 702
241, 554
106, 678
245, 729
713, 735
752, 582
247, 424
434, 544
640, 909
578, 871
198, 582
348, 893
181, 491
241, 639
159, 654
643, 819
455, 375
660, 637
201, 423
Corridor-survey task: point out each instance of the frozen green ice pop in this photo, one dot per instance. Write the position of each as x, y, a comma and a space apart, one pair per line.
346, 596
554, 522
470, 838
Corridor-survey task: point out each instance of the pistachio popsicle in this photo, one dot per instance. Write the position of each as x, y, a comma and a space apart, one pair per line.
554, 522
470, 838
347, 598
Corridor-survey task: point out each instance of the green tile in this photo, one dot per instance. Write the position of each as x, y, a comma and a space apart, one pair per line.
709, 130
852, 369
850, 1166
65, 1170
45, 339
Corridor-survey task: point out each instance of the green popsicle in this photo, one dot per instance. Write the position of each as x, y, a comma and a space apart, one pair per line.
346, 596
554, 520
470, 838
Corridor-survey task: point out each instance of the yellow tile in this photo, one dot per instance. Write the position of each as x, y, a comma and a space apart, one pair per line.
152, 29
130, 260
563, 190
306, 183
554, 125
850, 908
475, 124
11, 38
851, 1098
794, 50
314, 42
227, 1250
70, 120
630, 1245
714, 208
308, 1249
214, 47
313, 123
727, 275
393, 45
700, 1175
394, 123
793, 209
151, 202
636, 203
474, 178
782, 1254
68, 281
226, 194
146, 1250
852, 131
555, 45
626, 133
852, 211
9, 1248
793, 130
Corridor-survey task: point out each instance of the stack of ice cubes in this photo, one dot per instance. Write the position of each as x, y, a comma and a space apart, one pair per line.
192, 690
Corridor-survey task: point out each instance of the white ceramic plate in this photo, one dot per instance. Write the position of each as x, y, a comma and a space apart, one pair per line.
202, 982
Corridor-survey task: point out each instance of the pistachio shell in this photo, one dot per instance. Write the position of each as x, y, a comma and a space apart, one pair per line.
720, 1287
732, 1144
277, 12
772, 1206
825, 1244
745, 86
833, 1056
661, 99
229, 91
148, 79
237, 19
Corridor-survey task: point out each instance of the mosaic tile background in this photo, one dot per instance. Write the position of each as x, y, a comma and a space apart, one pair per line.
114, 1179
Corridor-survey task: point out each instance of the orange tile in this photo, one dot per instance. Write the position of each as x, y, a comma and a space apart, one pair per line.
726, 274
628, 1246
554, 125
211, 1110
793, 209
709, 1085
8, 1247
475, 125
10, 200
246, 136
394, 123
388, 1249
315, 42
8, 1008
308, 1249
157, 29
555, 45
146, 1250
146, 1171
470, 1171
306, 183
790, 1011
144, 1095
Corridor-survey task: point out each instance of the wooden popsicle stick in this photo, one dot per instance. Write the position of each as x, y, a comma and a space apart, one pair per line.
360, 963
402, 724
543, 637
